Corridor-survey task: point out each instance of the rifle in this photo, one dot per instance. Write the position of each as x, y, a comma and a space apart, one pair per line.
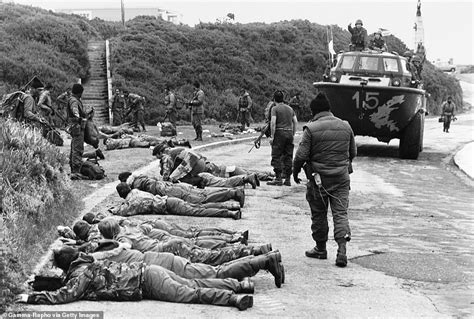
257, 141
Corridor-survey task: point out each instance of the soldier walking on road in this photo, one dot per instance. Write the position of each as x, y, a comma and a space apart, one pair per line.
245, 104
197, 110
447, 112
283, 123
326, 152
170, 103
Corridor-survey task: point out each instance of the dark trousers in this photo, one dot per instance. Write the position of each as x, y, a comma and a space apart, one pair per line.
173, 116
282, 153
117, 114
244, 119
140, 118
319, 200
176, 206
77, 148
447, 122
196, 119
162, 284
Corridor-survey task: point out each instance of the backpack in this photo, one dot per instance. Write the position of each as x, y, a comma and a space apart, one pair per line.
92, 170
12, 105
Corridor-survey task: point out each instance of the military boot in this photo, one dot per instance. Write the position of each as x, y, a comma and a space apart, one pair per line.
260, 250
239, 195
235, 214
275, 267
286, 179
242, 302
341, 258
318, 252
251, 179
277, 181
247, 286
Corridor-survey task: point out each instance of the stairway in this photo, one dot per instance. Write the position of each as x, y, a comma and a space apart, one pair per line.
95, 87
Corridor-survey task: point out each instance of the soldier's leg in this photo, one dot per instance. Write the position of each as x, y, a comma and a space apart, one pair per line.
339, 189
287, 157
222, 195
218, 256
218, 283
141, 118
209, 242
77, 148
176, 206
159, 285
318, 204
214, 181
229, 205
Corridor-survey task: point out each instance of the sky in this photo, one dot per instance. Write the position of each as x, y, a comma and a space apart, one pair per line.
448, 24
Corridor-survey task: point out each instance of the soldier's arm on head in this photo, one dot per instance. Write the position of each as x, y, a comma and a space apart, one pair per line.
303, 152
72, 291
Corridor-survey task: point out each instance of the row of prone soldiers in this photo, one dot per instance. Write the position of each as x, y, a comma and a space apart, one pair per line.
111, 256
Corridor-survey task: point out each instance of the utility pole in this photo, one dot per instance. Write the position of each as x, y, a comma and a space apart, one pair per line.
123, 12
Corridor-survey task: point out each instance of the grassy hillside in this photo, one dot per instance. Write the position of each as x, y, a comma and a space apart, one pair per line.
289, 55
34, 41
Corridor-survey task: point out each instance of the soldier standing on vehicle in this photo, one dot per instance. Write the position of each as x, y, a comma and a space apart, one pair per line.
245, 104
325, 153
77, 116
118, 106
283, 123
170, 104
358, 36
197, 110
136, 106
448, 113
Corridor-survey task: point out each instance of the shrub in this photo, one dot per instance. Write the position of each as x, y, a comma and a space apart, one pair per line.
36, 197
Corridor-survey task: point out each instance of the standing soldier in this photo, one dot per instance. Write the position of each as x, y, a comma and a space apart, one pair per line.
197, 110
448, 113
136, 106
245, 104
170, 103
118, 105
77, 116
295, 103
378, 43
326, 152
283, 123
61, 106
31, 113
45, 103
358, 36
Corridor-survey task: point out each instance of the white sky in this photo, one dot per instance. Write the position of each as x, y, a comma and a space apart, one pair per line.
448, 24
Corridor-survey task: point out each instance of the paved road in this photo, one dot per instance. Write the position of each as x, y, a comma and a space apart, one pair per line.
412, 247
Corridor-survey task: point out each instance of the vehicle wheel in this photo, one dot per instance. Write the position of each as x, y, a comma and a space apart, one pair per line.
411, 138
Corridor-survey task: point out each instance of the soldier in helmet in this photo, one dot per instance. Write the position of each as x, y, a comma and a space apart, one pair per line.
378, 43
358, 36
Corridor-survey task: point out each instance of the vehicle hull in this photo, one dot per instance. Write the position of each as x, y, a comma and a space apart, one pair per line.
381, 112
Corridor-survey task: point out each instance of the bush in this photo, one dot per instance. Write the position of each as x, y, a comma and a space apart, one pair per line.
288, 55
36, 197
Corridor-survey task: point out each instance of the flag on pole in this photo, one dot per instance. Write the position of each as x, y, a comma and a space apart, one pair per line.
331, 42
384, 32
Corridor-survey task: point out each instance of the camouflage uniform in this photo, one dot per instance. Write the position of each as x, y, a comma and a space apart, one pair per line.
358, 37
127, 141
181, 190
192, 232
142, 203
447, 113
170, 103
197, 112
245, 104
238, 269
118, 105
88, 279
137, 109
77, 116
179, 248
